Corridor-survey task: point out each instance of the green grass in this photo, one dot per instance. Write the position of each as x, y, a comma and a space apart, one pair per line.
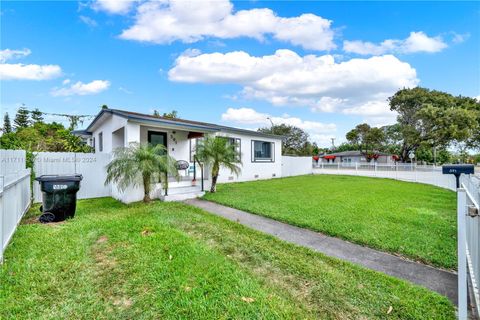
173, 261
415, 220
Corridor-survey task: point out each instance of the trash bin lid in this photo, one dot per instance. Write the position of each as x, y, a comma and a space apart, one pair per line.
58, 177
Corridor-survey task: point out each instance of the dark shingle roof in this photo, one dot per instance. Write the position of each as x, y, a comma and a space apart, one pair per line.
177, 121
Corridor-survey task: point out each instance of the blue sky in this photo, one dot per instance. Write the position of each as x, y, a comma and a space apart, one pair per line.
323, 66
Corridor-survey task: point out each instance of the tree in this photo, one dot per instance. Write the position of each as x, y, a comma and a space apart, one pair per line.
366, 138
434, 118
141, 164
295, 140
172, 115
42, 136
22, 118
217, 152
156, 113
37, 115
7, 126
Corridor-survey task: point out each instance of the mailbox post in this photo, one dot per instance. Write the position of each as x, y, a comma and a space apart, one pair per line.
457, 170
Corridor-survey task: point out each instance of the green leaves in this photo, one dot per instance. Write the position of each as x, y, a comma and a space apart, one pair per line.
141, 164
217, 152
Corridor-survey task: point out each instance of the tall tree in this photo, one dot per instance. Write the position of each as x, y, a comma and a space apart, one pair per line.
7, 126
37, 115
21, 118
434, 118
366, 138
295, 140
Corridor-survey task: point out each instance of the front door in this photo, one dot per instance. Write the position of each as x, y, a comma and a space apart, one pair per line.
155, 138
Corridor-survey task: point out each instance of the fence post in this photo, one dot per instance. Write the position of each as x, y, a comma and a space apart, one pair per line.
356, 168
338, 167
462, 253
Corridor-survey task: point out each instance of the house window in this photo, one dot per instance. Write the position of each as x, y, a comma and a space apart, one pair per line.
263, 151
100, 142
237, 145
155, 138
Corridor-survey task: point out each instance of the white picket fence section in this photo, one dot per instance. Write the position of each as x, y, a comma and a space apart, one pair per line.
15, 194
296, 166
404, 172
90, 165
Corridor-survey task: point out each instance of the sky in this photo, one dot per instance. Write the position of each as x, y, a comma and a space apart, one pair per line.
322, 66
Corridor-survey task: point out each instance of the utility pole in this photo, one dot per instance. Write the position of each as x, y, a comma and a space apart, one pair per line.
333, 143
271, 122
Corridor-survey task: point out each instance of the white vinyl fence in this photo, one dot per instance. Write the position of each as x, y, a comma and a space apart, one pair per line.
296, 166
90, 165
15, 195
468, 199
405, 172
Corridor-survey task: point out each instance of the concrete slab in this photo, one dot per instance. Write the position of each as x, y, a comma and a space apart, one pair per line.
441, 281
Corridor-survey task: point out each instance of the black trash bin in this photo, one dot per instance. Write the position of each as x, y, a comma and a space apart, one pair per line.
59, 196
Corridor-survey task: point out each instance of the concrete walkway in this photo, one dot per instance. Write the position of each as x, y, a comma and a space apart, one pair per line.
441, 281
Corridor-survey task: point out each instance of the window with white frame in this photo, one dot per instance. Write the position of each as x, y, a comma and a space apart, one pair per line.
263, 151
237, 145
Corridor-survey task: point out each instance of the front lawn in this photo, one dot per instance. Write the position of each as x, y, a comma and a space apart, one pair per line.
173, 261
414, 220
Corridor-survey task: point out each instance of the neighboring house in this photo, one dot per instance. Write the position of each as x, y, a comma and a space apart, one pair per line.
260, 153
352, 157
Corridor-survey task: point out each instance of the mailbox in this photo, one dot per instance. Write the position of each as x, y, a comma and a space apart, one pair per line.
457, 170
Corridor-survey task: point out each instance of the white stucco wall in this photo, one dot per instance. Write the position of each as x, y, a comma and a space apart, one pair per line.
107, 127
253, 170
177, 141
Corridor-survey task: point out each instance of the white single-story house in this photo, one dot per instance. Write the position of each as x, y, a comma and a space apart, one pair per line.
261, 154
352, 157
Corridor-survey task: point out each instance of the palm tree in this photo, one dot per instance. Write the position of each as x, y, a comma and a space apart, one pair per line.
141, 164
217, 152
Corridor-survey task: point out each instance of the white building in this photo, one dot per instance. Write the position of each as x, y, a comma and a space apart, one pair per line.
260, 153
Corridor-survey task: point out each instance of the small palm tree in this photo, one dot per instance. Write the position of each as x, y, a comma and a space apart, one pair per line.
217, 152
141, 164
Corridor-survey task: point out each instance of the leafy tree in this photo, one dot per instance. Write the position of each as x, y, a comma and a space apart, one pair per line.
366, 138
22, 118
295, 141
172, 115
41, 136
156, 113
37, 115
216, 152
434, 118
104, 106
343, 147
141, 164
7, 126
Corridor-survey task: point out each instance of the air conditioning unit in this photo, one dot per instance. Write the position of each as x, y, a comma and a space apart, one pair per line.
256, 176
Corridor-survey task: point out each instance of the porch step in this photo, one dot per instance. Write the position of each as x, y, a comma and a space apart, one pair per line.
183, 193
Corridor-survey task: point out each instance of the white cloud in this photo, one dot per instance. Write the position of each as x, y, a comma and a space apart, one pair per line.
88, 21
9, 54
114, 6
416, 42
459, 37
191, 21
318, 131
21, 71
82, 89
354, 87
